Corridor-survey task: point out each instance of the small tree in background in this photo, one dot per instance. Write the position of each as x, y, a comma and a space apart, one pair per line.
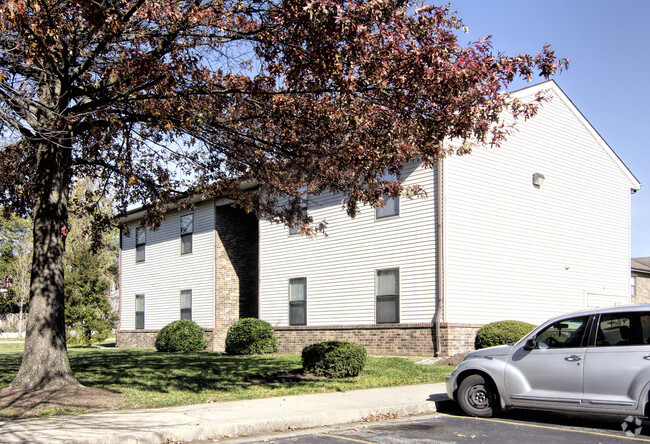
91, 270
8, 296
15, 264
89, 317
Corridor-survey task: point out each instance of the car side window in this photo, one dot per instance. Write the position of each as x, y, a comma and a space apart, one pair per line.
563, 334
620, 329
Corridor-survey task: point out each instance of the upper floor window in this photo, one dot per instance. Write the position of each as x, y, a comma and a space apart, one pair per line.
298, 301
140, 242
387, 295
187, 228
295, 228
186, 304
391, 208
139, 311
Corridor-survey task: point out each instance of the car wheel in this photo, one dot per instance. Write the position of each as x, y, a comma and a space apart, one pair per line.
477, 396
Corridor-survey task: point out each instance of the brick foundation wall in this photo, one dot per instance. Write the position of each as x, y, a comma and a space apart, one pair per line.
457, 338
384, 340
136, 338
379, 340
147, 338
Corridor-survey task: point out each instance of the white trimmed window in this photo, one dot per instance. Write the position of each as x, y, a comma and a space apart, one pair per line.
391, 208
298, 301
293, 229
139, 311
140, 242
186, 304
187, 228
387, 295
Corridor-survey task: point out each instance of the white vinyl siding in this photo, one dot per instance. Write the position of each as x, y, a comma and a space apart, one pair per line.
340, 267
516, 251
166, 271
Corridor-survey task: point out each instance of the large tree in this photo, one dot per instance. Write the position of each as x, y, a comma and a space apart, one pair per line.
166, 100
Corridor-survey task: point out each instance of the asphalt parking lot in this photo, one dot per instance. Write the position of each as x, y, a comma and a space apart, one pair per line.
451, 426
444, 428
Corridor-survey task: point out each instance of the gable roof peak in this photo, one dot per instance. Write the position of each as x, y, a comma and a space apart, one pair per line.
557, 91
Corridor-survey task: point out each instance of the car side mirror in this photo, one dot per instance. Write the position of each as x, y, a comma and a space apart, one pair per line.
530, 344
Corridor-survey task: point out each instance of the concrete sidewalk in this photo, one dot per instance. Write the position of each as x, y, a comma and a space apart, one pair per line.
205, 421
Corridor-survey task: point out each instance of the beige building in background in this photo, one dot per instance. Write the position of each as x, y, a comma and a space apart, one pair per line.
640, 283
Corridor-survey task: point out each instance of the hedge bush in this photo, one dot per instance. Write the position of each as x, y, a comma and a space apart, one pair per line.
183, 335
334, 359
501, 332
251, 336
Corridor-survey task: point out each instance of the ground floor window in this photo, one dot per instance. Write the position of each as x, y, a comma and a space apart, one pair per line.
387, 295
298, 301
186, 304
139, 311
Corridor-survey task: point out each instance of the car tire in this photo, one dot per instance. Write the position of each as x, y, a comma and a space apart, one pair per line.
477, 396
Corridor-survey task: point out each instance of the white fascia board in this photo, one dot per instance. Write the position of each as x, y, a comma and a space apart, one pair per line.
138, 213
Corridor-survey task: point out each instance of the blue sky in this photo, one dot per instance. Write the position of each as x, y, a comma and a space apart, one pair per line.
608, 78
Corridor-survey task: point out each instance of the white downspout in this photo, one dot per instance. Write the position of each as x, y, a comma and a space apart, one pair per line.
440, 255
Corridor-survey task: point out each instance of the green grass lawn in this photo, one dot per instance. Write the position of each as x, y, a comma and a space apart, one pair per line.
151, 379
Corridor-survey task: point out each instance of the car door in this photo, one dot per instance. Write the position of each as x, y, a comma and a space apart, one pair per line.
551, 373
617, 367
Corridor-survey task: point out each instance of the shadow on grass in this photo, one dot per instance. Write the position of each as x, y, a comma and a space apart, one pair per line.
153, 379
150, 371
164, 372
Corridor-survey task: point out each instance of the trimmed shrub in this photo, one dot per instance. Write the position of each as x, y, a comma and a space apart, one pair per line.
183, 335
251, 336
334, 359
501, 332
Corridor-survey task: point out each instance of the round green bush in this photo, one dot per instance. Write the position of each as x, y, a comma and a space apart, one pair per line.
183, 335
251, 336
501, 332
334, 359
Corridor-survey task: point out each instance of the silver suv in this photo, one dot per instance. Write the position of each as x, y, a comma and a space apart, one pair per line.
591, 361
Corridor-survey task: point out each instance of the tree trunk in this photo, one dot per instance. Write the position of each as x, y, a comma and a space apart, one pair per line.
23, 284
45, 360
